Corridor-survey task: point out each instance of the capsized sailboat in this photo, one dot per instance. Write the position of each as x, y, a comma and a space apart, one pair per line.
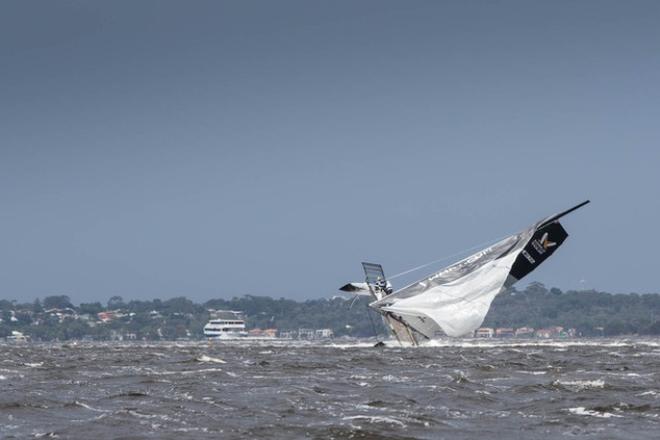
455, 300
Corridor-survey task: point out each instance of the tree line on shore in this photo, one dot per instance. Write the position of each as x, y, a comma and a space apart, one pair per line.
591, 313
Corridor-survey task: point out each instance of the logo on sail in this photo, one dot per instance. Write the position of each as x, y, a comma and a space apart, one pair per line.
529, 257
543, 244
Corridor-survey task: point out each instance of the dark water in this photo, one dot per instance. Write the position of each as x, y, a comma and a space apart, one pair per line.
276, 390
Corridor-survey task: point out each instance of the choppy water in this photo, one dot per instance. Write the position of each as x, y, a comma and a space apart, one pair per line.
280, 390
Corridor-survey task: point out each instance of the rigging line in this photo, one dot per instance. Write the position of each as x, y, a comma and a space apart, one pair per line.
414, 269
373, 326
353, 302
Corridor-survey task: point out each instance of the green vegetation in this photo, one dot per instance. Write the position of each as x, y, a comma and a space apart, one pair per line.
56, 318
590, 312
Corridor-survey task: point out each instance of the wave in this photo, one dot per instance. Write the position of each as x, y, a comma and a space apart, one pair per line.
86, 406
49, 434
554, 343
582, 411
377, 419
533, 373
132, 394
651, 393
580, 385
609, 411
204, 370
34, 364
205, 358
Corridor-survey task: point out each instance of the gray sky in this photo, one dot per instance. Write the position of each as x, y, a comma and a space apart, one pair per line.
212, 149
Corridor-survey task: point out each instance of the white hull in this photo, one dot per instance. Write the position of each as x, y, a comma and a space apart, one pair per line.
227, 335
242, 338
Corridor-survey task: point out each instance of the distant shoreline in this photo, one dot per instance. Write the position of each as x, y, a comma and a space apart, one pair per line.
578, 313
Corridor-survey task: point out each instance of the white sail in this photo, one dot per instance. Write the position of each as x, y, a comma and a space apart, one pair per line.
460, 306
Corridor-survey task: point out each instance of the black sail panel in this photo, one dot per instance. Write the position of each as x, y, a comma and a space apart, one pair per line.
543, 243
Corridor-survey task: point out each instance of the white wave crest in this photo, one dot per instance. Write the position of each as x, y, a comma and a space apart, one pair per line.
34, 364
651, 393
533, 373
581, 384
541, 343
377, 419
582, 411
204, 370
84, 405
205, 358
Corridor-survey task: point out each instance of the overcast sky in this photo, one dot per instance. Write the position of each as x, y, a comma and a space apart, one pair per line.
213, 149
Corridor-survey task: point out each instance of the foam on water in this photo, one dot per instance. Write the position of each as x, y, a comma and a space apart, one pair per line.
581, 384
34, 364
377, 419
86, 406
526, 343
652, 393
582, 411
205, 358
